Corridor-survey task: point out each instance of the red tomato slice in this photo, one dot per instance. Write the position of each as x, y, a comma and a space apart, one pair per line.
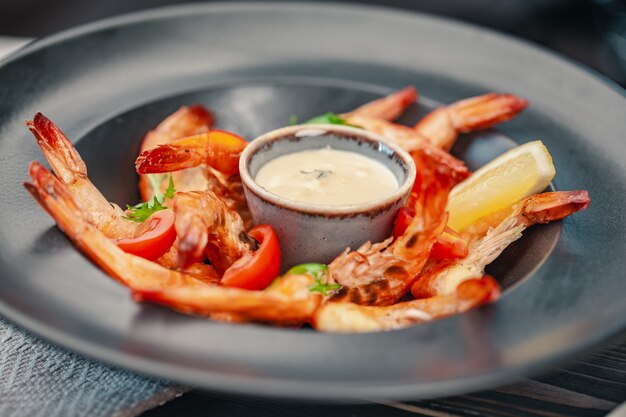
258, 269
403, 220
154, 236
450, 245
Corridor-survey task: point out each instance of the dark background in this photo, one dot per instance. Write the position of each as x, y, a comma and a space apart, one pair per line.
590, 31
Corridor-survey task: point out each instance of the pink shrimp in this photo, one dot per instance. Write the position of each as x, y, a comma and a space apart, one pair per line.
443, 125
132, 271
348, 317
387, 108
72, 171
381, 273
186, 121
288, 301
205, 225
215, 153
411, 141
489, 236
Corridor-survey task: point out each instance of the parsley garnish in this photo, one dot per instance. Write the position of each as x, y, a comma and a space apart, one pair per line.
169, 192
329, 118
318, 271
140, 212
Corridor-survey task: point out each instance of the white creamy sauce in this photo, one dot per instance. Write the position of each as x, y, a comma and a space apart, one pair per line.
327, 177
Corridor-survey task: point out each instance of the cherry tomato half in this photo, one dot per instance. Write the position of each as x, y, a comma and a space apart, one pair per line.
403, 220
154, 236
257, 270
450, 245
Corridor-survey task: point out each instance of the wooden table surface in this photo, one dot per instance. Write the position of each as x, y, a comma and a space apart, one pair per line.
590, 386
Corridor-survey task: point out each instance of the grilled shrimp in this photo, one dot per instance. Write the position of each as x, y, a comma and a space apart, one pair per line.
489, 236
214, 155
71, 170
287, 301
411, 141
348, 317
215, 148
381, 273
186, 121
443, 125
387, 108
206, 225
132, 271
440, 127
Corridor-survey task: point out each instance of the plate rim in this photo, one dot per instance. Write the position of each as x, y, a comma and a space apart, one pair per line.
270, 386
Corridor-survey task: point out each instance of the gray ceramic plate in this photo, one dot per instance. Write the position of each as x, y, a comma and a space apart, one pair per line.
255, 64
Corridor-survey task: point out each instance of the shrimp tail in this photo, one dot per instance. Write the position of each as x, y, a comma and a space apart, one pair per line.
58, 150
552, 206
215, 148
387, 108
442, 126
169, 158
485, 111
184, 122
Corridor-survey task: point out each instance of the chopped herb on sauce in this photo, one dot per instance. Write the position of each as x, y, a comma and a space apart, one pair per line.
320, 173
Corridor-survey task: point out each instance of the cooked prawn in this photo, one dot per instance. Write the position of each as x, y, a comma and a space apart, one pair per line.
443, 125
215, 154
206, 225
348, 317
389, 107
72, 171
134, 272
381, 273
411, 141
287, 301
215, 148
186, 121
489, 236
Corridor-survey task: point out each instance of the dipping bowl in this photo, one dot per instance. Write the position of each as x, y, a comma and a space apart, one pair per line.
318, 233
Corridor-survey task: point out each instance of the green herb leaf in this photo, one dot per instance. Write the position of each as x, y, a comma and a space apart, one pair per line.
293, 120
318, 271
327, 118
330, 118
322, 288
313, 269
140, 212
169, 193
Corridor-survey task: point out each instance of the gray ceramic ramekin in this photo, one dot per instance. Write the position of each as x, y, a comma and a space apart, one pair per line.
317, 233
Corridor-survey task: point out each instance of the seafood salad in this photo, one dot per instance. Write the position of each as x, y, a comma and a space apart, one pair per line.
192, 244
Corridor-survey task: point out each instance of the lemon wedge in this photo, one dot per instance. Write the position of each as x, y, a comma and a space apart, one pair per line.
512, 176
